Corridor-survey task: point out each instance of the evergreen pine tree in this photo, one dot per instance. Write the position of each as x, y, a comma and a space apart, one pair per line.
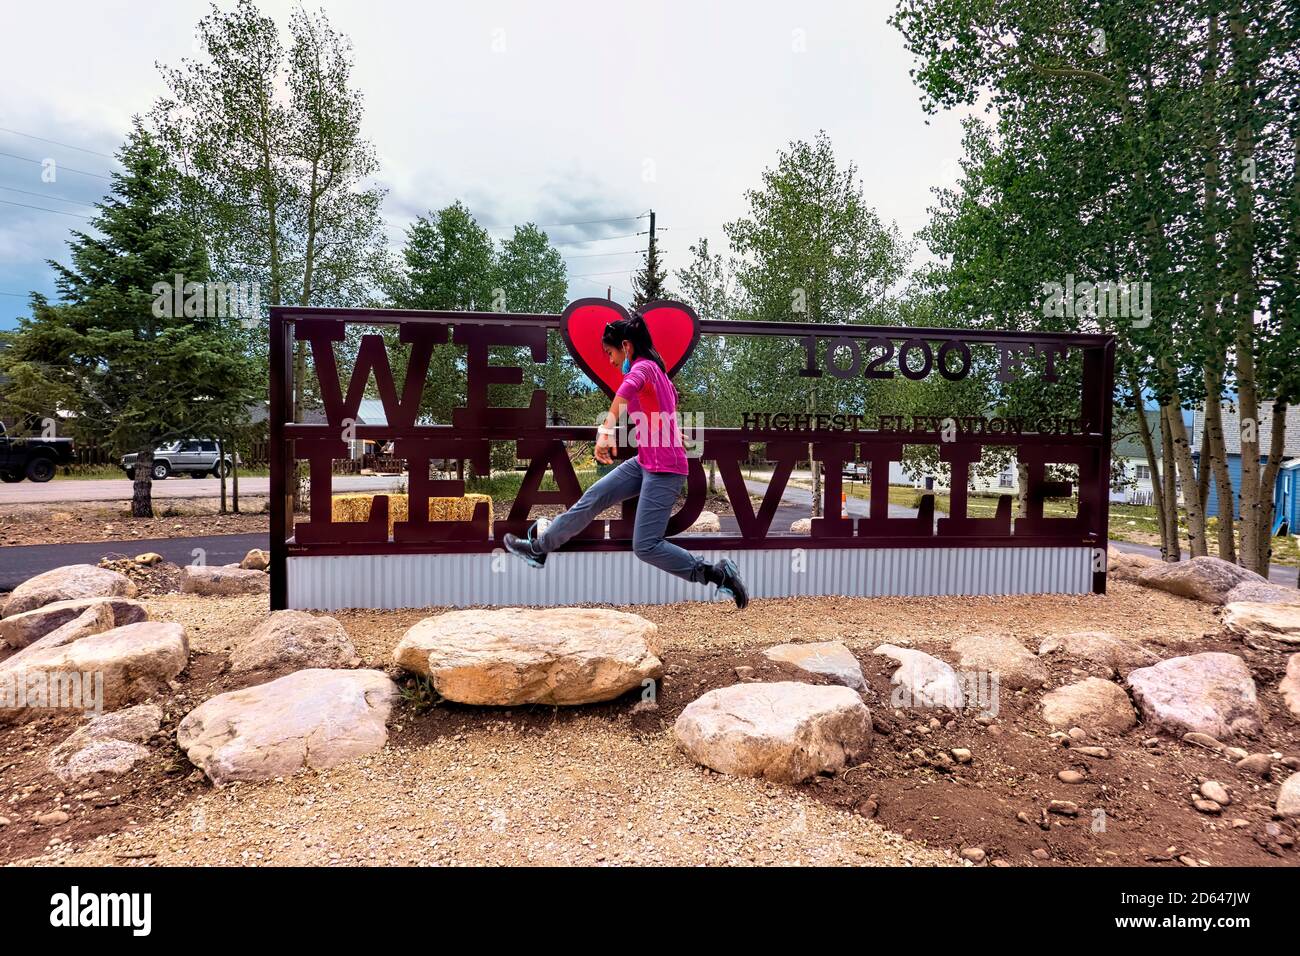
115, 355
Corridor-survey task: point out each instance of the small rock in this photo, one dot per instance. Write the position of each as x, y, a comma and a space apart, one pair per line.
1099, 752
149, 558
961, 755
52, 819
1064, 808
1092, 701
1071, 776
1206, 806
974, 854
293, 639
1003, 655
1039, 853
1200, 740
923, 680
825, 658
1213, 790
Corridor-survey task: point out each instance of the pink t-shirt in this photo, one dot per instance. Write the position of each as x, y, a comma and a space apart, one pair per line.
652, 409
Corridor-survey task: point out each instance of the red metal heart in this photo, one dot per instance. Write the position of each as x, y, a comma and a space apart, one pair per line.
673, 326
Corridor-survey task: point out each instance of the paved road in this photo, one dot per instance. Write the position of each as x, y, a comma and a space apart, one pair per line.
119, 489
17, 564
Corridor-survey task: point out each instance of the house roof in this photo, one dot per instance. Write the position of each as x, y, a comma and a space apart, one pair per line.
371, 412
1127, 443
1232, 430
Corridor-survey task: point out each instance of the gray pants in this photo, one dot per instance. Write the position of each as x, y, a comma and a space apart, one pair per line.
657, 493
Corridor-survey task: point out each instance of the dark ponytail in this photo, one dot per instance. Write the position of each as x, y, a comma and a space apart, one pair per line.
633, 329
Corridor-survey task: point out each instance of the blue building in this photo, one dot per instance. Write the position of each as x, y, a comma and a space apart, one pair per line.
1286, 492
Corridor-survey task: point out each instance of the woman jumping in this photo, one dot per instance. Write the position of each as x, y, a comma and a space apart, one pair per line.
655, 476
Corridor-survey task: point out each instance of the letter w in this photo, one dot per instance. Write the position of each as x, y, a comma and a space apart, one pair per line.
372, 358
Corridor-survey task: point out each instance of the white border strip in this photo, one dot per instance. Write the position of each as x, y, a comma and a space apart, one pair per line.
329, 583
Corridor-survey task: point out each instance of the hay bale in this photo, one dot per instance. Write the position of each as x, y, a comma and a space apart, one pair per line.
356, 507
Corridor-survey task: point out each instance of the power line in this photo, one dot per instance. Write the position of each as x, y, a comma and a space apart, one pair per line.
592, 255
556, 225
615, 272
617, 288
61, 212
66, 169
20, 295
28, 192
55, 142
583, 242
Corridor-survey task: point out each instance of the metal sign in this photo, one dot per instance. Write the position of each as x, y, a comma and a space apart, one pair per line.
782, 438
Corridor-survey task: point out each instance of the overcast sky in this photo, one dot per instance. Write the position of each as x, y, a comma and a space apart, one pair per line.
553, 112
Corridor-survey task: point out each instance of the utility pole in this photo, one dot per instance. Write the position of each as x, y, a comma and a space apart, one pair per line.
652, 235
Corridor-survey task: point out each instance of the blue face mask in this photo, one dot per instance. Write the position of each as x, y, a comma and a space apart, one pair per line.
627, 365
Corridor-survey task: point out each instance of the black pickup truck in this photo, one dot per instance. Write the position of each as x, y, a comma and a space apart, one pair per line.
33, 458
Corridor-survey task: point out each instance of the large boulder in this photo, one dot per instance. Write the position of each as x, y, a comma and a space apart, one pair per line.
786, 731
1093, 704
1210, 693
1001, 655
103, 671
69, 583
1128, 565
1256, 620
706, 523
1259, 593
826, 658
294, 639
95, 619
1288, 797
223, 581
256, 560
110, 744
26, 628
1289, 687
512, 656
1204, 579
922, 680
1097, 647
310, 719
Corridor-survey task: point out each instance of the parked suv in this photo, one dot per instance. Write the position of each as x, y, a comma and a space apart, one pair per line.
33, 458
196, 457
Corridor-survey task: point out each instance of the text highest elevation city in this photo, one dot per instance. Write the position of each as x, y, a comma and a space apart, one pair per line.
319, 562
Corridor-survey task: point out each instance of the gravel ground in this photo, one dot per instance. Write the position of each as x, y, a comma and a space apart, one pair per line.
568, 786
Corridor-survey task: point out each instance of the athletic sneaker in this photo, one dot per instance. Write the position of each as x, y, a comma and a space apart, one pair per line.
726, 576
527, 546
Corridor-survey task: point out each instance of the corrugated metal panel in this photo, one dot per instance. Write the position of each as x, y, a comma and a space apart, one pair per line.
618, 577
